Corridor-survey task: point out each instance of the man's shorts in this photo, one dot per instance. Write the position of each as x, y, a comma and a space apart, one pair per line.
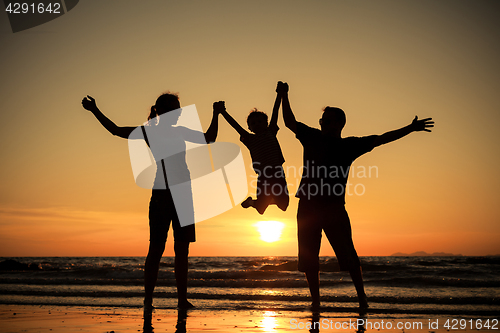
161, 213
313, 216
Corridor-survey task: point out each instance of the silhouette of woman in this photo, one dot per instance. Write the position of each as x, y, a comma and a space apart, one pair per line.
168, 146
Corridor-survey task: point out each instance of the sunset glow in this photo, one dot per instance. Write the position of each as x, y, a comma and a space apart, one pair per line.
68, 187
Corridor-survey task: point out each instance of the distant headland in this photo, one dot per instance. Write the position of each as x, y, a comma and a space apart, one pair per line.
425, 254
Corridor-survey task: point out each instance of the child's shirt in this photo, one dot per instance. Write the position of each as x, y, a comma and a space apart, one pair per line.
264, 149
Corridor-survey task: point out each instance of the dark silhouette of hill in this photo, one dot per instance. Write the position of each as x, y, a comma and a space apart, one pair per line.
425, 254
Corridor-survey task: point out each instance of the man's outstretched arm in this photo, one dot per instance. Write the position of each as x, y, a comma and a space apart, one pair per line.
415, 126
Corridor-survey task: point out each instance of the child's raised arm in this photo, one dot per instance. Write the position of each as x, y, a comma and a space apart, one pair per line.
241, 131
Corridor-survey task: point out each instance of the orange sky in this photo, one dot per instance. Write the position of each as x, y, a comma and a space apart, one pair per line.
67, 185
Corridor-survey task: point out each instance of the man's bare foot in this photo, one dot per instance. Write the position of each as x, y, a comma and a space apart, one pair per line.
247, 203
185, 305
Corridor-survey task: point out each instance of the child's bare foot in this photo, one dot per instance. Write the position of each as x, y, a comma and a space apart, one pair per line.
247, 203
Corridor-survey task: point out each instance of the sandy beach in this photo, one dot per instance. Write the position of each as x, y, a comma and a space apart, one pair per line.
59, 319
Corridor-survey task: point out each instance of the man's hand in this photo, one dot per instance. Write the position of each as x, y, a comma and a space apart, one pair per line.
88, 103
219, 107
421, 125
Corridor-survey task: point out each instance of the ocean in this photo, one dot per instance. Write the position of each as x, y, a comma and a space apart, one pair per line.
465, 286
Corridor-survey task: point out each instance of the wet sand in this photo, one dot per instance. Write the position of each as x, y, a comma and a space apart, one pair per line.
64, 319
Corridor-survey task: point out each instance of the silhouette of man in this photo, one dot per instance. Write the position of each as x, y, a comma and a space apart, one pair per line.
321, 193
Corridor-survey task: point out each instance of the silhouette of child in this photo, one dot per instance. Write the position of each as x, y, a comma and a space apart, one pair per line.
267, 158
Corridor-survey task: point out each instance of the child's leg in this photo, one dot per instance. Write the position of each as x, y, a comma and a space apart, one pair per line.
262, 203
247, 203
275, 192
270, 190
280, 192
264, 197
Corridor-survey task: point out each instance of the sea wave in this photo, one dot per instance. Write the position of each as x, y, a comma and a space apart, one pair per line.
430, 282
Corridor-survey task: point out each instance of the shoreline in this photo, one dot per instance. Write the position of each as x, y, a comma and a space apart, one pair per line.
63, 319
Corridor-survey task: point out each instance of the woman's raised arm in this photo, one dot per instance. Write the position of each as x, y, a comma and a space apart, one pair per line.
89, 104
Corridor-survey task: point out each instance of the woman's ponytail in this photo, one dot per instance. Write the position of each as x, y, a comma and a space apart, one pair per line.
153, 113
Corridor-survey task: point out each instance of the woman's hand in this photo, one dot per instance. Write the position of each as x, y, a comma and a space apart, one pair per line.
89, 104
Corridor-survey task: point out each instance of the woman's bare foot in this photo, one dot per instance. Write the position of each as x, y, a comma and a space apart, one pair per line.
363, 302
148, 307
185, 304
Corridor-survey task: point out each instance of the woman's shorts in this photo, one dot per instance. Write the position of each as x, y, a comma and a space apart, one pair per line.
161, 213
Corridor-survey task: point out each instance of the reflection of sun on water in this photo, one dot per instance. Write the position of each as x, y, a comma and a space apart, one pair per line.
270, 231
269, 321
270, 292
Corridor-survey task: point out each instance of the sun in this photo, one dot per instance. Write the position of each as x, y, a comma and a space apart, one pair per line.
270, 231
